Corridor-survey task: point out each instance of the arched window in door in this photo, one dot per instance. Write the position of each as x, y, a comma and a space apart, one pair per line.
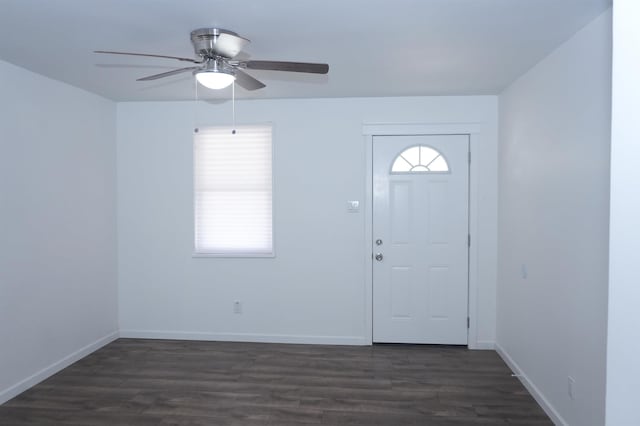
420, 159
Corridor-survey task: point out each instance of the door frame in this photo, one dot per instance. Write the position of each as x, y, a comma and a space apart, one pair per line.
473, 130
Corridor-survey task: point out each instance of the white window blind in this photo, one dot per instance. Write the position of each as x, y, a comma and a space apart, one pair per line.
233, 191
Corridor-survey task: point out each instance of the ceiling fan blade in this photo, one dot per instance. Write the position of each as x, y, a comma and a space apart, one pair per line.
245, 81
167, 74
288, 66
148, 55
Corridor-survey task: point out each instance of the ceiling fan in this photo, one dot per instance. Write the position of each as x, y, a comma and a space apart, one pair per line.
215, 67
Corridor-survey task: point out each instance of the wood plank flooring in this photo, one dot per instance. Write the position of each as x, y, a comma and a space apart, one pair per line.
165, 382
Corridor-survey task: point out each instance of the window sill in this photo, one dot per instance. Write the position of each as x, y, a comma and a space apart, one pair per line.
233, 255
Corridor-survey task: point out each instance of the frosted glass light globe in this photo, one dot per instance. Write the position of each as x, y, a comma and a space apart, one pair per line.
215, 79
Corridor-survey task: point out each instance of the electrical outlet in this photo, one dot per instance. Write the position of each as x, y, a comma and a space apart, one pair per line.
237, 307
523, 271
571, 385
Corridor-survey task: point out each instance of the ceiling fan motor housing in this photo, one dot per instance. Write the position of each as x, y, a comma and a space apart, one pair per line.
213, 42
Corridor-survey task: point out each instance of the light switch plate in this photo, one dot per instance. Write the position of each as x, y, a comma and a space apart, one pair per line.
353, 206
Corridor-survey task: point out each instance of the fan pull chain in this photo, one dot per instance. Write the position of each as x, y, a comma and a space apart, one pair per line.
233, 107
195, 107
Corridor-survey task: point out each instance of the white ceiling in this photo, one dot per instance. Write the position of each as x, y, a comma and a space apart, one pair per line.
373, 47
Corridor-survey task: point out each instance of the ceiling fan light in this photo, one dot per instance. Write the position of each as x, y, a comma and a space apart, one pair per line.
215, 79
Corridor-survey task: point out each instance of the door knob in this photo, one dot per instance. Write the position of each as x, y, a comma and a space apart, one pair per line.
379, 257
378, 242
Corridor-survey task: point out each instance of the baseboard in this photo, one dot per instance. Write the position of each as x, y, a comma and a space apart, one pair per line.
52, 369
483, 345
533, 390
245, 337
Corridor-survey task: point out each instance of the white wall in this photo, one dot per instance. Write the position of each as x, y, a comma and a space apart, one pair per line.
58, 291
623, 371
553, 221
313, 291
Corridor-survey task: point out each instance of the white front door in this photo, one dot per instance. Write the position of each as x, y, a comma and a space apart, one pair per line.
420, 239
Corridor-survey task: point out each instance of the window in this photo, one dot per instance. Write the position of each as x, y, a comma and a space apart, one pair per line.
420, 159
233, 191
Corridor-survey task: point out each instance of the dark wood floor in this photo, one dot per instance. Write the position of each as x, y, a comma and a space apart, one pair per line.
162, 382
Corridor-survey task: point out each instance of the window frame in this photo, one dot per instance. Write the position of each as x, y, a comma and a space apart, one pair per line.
230, 255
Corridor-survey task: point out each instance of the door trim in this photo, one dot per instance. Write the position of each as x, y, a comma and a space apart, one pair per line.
473, 130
